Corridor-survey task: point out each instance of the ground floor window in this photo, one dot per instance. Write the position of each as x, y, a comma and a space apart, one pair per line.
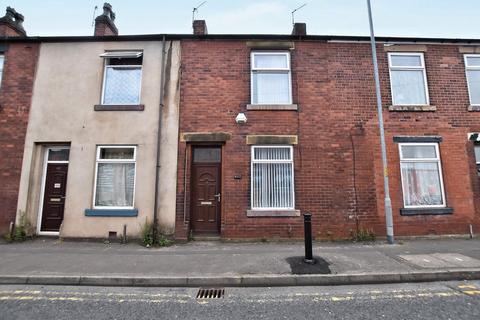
115, 177
421, 173
272, 178
477, 157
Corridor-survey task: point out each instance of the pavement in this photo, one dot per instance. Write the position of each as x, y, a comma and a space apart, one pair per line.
216, 263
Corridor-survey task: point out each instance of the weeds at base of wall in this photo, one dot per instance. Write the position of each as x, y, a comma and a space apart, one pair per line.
20, 232
363, 235
147, 238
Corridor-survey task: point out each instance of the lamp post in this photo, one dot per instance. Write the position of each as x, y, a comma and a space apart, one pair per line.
387, 201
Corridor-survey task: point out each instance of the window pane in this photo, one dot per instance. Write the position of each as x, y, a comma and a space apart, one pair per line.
2, 59
116, 153
408, 87
477, 153
473, 77
206, 155
271, 154
473, 61
272, 185
58, 154
421, 184
406, 61
271, 61
122, 85
115, 183
271, 88
418, 152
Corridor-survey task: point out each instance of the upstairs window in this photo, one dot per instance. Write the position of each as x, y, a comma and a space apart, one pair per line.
271, 78
408, 79
272, 178
421, 173
472, 68
2, 59
122, 78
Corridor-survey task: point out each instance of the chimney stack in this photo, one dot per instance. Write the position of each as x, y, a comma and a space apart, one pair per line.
299, 29
200, 27
11, 25
105, 23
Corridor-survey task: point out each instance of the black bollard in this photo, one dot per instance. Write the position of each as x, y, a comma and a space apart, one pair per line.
307, 222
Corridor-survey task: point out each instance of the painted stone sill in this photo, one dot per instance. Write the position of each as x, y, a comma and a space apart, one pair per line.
273, 213
119, 107
111, 212
272, 107
473, 108
425, 211
425, 108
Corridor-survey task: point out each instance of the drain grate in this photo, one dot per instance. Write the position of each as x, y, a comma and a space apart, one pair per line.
210, 293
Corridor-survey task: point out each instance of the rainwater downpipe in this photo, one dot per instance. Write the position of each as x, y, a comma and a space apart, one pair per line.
159, 138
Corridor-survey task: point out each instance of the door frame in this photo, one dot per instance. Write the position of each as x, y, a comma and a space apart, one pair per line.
220, 181
42, 188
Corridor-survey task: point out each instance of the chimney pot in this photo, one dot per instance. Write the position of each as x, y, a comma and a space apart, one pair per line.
105, 23
200, 27
299, 29
11, 25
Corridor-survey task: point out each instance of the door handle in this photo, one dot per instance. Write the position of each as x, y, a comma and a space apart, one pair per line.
218, 196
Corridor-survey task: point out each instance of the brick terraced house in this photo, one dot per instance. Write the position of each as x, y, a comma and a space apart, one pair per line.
254, 130
275, 126
18, 59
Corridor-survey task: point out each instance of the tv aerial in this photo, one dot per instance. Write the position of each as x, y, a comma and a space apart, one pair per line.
195, 10
293, 12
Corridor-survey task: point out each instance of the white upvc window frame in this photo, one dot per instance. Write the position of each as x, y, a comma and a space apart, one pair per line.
253, 160
287, 70
117, 55
2, 64
474, 68
98, 160
437, 159
408, 68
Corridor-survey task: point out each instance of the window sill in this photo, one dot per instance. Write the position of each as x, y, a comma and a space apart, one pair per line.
273, 213
111, 212
420, 108
473, 108
119, 107
272, 107
425, 211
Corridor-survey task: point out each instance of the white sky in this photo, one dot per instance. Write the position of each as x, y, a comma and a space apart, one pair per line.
416, 18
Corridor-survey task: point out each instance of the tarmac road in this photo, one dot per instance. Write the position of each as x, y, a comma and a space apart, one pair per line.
438, 300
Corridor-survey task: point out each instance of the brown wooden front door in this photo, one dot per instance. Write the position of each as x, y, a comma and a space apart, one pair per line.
54, 196
206, 197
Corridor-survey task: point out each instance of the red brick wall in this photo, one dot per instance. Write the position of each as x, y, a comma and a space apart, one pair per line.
15, 97
338, 172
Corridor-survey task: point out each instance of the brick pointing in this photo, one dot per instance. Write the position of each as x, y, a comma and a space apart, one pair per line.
15, 99
338, 170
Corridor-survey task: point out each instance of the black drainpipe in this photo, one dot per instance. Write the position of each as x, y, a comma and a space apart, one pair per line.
159, 137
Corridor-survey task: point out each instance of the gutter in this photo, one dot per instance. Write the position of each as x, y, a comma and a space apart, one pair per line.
159, 138
173, 37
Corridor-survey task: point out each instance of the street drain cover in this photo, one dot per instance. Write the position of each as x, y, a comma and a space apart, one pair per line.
210, 293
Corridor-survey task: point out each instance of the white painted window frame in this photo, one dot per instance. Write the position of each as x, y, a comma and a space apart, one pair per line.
253, 160
473, 68
98, 160
428, 160
42, 189
287, 70
408, 68
106, 66
2, 57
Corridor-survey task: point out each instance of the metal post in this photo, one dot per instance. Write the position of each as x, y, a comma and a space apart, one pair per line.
387, 201
307, 222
